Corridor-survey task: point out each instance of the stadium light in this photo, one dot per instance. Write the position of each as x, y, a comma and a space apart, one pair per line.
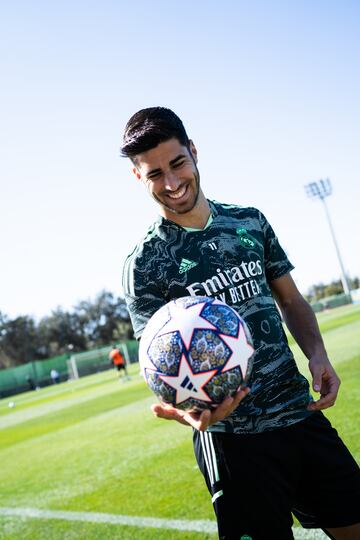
320, 190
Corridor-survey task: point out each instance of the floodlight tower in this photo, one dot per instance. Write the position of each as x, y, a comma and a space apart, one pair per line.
321, 190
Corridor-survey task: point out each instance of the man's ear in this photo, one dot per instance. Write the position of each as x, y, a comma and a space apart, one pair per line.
193, 150
136, 172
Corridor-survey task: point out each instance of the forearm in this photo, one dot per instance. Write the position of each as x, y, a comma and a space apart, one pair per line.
302, 324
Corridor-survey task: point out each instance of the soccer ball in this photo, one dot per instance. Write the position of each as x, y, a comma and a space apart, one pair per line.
194, 352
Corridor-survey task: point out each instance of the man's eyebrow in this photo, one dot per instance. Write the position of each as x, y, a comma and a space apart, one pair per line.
178, 158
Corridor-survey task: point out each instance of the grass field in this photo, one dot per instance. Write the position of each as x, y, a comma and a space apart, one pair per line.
87, 460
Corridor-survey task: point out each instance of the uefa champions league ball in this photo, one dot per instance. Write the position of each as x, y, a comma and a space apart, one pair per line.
194, 352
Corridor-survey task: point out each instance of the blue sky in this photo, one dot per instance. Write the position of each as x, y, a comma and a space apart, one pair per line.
268, 90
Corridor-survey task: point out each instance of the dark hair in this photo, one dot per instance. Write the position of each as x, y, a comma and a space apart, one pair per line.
149, 127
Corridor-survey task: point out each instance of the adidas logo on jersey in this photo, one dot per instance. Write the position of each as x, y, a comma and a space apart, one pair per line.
186, 265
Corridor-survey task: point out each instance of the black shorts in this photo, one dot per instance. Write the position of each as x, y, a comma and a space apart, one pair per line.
119, 367
257, 481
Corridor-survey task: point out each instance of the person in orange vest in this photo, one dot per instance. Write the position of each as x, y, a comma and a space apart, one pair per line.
118, 360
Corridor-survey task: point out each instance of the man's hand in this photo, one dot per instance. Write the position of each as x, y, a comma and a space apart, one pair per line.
201, 421
324, 381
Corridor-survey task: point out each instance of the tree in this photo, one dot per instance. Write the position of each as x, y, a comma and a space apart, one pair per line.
320, 290
18, 340
91, 324
59, 330
106, 319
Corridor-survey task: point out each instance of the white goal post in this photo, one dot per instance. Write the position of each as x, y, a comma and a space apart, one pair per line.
88, 362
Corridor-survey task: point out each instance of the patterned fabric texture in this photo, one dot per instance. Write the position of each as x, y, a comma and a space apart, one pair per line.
233, 259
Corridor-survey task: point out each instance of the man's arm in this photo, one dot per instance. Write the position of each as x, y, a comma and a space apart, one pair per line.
301, 321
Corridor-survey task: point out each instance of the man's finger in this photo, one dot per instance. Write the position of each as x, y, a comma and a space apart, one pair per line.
317, 380
322, 403
168, 413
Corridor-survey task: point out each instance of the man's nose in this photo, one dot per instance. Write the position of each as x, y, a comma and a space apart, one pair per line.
171, 181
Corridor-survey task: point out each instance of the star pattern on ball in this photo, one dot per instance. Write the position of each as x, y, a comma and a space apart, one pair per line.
241, 351
188, 319
187, 383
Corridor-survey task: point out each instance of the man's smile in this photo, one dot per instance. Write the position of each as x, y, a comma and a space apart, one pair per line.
178, 193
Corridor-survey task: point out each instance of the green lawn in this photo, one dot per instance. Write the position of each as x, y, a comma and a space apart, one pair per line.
92, 445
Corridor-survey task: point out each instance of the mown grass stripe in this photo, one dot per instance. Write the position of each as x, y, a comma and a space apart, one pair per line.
114, 519
68, 416
205, 526
337, 318
115, 393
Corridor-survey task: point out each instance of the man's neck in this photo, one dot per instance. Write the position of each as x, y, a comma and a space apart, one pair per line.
197, 218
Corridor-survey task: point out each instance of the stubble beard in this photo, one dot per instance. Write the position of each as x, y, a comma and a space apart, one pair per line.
187, 209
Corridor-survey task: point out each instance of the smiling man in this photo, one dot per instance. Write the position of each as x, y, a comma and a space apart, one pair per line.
174, 182
268, 450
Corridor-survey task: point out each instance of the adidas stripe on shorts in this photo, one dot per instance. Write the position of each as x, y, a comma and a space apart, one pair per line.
257, 481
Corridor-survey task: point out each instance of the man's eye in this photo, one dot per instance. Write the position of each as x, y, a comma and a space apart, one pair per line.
153, 176
178, 164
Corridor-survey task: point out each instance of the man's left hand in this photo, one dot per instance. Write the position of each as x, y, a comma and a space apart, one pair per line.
324, 381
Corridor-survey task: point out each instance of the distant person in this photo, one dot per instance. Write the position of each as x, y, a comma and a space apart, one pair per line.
267, 452
55, 376
30, 383
118, 361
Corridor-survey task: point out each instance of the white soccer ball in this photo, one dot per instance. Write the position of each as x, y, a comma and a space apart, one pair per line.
194, 352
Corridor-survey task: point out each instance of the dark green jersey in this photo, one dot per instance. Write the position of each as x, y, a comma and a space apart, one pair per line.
233, 259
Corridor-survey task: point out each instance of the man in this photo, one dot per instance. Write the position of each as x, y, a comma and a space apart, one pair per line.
117, 360
55, 376
267, 451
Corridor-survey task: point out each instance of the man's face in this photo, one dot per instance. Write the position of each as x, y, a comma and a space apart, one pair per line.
169, 171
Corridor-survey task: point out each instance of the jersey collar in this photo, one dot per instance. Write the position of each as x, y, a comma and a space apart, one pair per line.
213, 213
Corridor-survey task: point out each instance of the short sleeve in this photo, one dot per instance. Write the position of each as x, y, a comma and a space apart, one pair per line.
142, 294
277, 263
